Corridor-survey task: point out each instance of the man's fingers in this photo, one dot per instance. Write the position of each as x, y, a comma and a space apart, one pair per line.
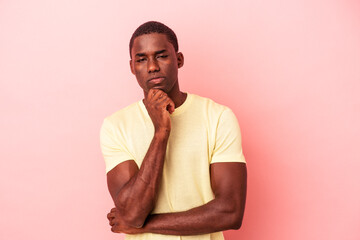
114, 230
161, 99
111, 215
151, 92
154, 94
169, 104
112, 223
170, 109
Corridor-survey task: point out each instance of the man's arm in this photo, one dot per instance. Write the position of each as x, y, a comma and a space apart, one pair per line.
134, 190
228, 181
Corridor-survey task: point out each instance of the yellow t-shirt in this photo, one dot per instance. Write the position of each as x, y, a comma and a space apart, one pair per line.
202, 132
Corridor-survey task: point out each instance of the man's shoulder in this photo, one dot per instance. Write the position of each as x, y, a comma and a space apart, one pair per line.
124, 113
209, 104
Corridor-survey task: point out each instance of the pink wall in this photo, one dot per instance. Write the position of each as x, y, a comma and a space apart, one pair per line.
290, 70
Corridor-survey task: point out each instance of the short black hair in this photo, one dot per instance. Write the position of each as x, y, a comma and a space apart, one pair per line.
154, 27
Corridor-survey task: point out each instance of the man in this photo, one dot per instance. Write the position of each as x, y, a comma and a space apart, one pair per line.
174, 161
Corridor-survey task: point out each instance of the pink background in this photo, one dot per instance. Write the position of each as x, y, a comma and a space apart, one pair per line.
290, 70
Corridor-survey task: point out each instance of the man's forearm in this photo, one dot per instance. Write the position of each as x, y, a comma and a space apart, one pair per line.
228, 181
217, 215
137, 198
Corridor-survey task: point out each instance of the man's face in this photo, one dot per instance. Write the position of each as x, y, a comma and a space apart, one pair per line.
154, 62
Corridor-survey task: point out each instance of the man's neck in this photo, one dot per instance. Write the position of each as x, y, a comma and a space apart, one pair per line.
177, 96
179, 99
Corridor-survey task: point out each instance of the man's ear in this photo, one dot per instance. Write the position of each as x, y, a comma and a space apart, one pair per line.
131, 67
180, 59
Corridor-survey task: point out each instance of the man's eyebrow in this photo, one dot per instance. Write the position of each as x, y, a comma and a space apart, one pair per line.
159, 52
140, 55
156, 53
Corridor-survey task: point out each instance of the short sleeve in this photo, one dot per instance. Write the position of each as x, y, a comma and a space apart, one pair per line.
228, 139
113, 148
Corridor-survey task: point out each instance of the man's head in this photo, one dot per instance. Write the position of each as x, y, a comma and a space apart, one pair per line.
155, 58
154, 27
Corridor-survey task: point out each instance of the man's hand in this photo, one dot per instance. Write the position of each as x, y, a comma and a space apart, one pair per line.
118, 225
159, 105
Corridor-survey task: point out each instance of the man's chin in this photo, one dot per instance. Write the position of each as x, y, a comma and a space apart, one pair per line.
159, 88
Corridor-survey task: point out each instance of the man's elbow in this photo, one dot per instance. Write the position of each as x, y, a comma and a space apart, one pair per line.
232, 212
236, 224
236, 218
132, 214
236, 221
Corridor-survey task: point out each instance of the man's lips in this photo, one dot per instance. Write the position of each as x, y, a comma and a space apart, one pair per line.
156, 80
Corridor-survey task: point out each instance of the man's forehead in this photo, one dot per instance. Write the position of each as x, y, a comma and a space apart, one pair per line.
151, 42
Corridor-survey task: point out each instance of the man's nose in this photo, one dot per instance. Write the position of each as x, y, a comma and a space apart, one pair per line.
153, 66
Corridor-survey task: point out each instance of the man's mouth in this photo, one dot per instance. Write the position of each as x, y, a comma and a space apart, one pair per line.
156, 80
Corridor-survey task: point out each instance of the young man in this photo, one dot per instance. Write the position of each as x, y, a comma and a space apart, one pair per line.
174, 160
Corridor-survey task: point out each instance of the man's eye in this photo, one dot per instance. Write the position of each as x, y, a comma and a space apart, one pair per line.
140, 60
163, 56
